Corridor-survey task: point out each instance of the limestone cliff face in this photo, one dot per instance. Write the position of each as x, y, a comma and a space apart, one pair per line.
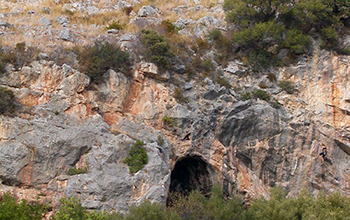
245, 146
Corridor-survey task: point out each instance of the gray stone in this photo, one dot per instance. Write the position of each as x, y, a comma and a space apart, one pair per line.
235, 67
146, 11
43, 56
5, 24
17, 10
92, 10
123, 4
44, 21
112, 31
65, 34
31, 12
61, 20
45, 10
188, 86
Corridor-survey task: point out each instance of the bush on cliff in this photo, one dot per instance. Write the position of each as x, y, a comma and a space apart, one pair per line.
158, 48
195, 206
21, 55
95, 60
263, 28
11, 209
7, 101
71, 208
137, 157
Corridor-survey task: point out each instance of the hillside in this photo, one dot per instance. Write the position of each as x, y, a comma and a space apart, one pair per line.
87, 85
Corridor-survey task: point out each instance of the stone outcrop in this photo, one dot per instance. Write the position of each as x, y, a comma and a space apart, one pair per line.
245, 146
63, 121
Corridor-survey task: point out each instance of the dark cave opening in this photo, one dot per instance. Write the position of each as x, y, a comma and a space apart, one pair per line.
190, 173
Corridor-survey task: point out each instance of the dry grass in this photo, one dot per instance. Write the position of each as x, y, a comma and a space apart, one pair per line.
88, 26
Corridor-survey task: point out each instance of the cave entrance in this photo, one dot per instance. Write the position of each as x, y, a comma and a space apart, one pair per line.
190, 173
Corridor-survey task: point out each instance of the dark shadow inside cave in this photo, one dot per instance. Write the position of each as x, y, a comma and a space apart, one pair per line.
190, 173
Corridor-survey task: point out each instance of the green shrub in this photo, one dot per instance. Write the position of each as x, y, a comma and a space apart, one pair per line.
115, 25
215, 35
158, 48
147, 211
178, 95
137, 157
168, 121
7, 101
168, 27
223, 82
271, 77
97, 59
261, 30
246, 96
343, 51
296, 41
10, 209
287, 86
261, 94
207, 65
262, 59
277, 207
20, 55
197, 206
74, 171
329, 38
160, 140
71, 208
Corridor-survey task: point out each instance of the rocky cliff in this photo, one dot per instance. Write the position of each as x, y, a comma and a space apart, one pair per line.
63, 120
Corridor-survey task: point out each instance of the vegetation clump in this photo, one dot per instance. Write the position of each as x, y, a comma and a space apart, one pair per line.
71, 208
158, 48
178, 95
137, 157
20, 55
74, 171
95, 60
264, 28
246, 96
168, 121
287, 86
261, 94
115, 25
195, 206
11, 209
7, 101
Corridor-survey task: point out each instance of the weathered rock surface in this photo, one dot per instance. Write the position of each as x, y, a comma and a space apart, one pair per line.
65, 120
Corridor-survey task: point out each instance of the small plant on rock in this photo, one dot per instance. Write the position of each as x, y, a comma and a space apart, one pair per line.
158, 48
115, 25
7, 101
223, 82
75, 171
168, 121
178, 95
20, 55
287, 86
160, 140
137, 157
97, 59
246, 96
261, 94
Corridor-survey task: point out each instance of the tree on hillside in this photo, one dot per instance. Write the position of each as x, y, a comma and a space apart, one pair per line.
264, 27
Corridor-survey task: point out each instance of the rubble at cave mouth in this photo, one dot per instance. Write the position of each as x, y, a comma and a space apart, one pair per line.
190, 173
